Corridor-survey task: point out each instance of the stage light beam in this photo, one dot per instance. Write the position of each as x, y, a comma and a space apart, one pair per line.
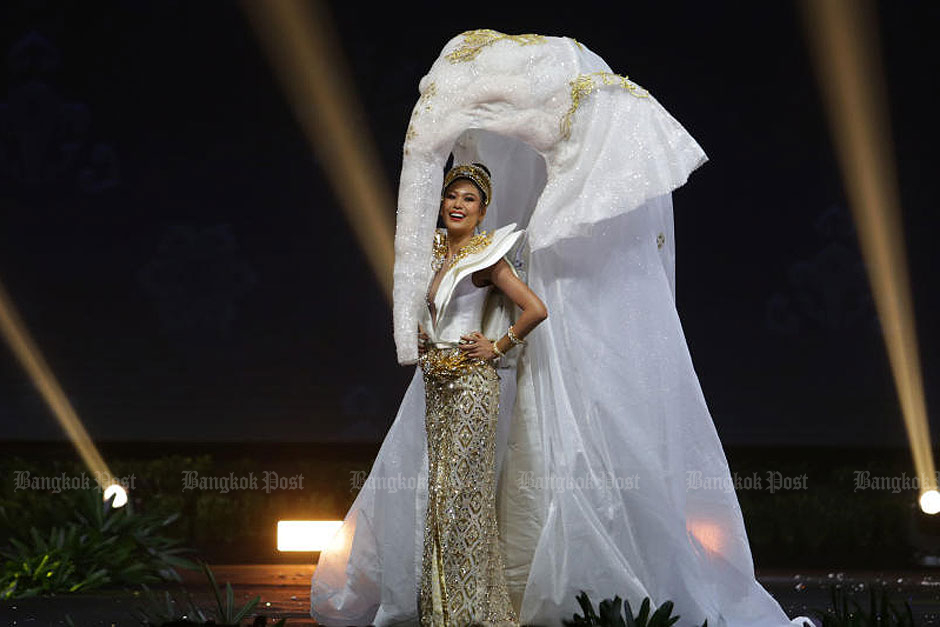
300, 44
28, 354
842, 35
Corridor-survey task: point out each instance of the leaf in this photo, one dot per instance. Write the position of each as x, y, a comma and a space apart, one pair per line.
628, 614
229, 602
661, 615
644, 613
609, 611
247, 608
215, 586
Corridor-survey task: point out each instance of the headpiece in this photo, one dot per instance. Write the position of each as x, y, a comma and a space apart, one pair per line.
475, 173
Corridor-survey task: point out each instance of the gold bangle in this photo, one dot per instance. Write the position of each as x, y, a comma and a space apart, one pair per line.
513, 338
496, 350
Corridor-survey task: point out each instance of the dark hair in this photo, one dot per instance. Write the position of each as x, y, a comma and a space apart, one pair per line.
485, 169
450, 164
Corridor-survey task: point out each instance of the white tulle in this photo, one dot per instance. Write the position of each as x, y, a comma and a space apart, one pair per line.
602, 422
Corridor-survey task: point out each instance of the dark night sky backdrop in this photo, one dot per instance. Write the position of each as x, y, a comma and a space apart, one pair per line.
171, 241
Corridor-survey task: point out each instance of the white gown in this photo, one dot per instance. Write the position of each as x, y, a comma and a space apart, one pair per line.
603, 419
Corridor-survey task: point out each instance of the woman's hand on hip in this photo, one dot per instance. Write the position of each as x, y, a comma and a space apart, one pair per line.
477, 345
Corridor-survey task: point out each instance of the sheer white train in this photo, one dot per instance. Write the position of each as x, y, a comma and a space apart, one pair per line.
603, 421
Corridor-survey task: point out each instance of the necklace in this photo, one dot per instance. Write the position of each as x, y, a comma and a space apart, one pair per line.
477, 243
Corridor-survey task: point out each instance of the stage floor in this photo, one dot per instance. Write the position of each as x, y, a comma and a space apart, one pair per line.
285, 593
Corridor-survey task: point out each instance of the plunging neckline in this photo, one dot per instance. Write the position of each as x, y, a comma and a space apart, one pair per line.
431, 298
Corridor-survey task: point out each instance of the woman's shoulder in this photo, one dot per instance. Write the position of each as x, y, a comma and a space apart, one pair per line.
493, 246
503, 238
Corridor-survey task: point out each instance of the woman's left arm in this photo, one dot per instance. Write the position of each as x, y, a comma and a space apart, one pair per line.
533, 309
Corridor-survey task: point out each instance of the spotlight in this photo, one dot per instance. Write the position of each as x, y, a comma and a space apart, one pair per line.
119, 494
306, 535
930, 502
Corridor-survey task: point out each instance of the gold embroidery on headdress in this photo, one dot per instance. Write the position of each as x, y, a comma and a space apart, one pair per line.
586, 84
476, 40
423, 106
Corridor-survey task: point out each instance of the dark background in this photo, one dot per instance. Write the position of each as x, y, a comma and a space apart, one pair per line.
172, 243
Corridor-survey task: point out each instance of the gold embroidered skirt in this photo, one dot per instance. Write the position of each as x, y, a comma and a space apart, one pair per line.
462, 578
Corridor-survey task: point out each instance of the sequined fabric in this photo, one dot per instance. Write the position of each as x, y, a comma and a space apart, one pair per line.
462, 578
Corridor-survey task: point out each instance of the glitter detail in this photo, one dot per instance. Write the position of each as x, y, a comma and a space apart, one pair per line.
444, 363
586, 84
462, 577
477, 243
475, 40
473, 173
423, 106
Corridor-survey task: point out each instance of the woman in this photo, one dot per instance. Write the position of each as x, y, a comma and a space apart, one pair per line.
607, 420
462, 579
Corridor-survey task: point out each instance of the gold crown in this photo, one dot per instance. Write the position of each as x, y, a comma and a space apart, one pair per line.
474, 173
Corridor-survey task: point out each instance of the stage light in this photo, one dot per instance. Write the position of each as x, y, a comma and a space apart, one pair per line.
27, 353
709, 535
844, 41
119, 493
930, 502
300, 43
306, 535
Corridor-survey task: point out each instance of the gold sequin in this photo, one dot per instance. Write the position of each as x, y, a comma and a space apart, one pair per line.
462, 576
423, 106
586, 84
477, 243
475, 40
425, 99
442, 363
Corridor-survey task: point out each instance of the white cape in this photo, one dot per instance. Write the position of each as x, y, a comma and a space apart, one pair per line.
612, 476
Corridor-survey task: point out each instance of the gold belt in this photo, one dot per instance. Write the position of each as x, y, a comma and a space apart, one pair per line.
448, 362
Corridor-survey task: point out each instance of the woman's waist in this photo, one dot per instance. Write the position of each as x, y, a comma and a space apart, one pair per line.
450, 336
443, 358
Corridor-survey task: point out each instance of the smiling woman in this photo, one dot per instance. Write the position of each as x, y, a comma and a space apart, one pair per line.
462, 573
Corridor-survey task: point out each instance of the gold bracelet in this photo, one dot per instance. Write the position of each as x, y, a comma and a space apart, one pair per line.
512, 337
496, 350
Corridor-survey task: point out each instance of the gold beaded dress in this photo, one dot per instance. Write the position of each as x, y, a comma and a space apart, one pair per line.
462, 580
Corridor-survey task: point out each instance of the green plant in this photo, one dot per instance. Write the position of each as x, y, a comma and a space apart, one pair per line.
167, 609
91, 545
882, 612
45, 572
609, 614
170, 611
228, 614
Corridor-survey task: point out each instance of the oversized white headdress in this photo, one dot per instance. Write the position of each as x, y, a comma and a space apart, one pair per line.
556, 127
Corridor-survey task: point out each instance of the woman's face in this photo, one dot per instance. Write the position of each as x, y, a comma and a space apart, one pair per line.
462, 206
